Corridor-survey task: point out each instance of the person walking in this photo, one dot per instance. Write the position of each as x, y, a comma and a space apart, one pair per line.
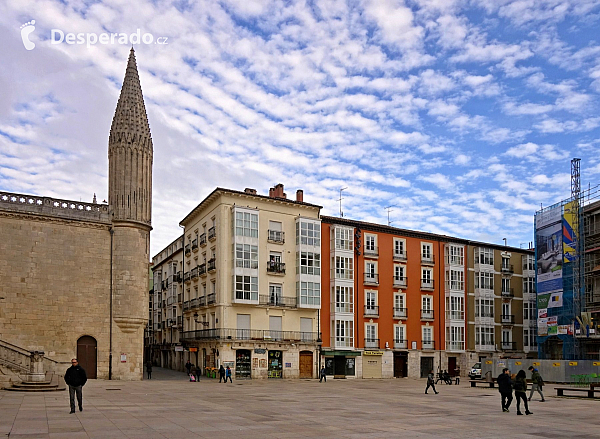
537, 383
75, 377
188, 367
430, 383
228, 374
198, 373
192, 373
323, 375
505, 389
149, 369
222, 374
521, 392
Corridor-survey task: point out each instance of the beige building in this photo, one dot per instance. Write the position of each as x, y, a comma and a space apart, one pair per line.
249, 279
75, 275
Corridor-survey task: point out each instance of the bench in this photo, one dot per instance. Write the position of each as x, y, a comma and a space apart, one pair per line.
490, 384
590, 392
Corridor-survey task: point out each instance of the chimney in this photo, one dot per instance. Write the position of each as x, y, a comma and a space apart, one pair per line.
272, 192
300, 195
277, 192
250, 191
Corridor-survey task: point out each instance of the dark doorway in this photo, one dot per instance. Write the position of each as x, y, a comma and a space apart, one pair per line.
426, 366
87, 348
452, 366
306, 364
400, 365
339, 366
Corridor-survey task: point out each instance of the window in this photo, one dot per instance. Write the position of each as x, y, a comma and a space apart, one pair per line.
370, 271
275, 294
399, 274
427, 277
427, 336
529, 285
371, 336
344, 332
246, 224
246, 288
309, 293
344, 299
484, 307
529, 310
426, 307
426, 252
484, 280
371, 302
275, 231
343, 268
246, 256
308, 263
370, 243
308, 233
484, 335
399, 248
456, 279
505, 286
455, 255
343, 239
484, 256
399, 334
399, 305
528, 263
455, 307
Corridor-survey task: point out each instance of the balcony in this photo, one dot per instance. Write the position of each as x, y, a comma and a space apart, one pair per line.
274, 267
427, 284
342, 273
371, 252
276, 236
371, 311
427, 345
278, 301
211, 265
187, 277
202, 269
195, 245
202, 239
344, 307
400, 344
202, 301
509, 345
249, 334
180, 321
178, 277
210, 299
371, 343
163, 285
194, 303
455, 345
342, 342
426, 314
188, 250
179, 298
400, 256
212, 233
507, 269
371, 279
427, 259
508, 293
186, 305
400, 313
455, 315
453, 285
194, 273
507, 319
400, 281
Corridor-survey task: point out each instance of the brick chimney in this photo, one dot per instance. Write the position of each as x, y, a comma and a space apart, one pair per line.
277, 192
250, 191
300, 195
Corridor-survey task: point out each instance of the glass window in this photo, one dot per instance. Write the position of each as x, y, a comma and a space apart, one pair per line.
308, 233
246, 224
343, 239
399, 247
309, 293
370, 242
308, 263
344, 299
426, 251
246, 287
484, 280
246, 256
343, 268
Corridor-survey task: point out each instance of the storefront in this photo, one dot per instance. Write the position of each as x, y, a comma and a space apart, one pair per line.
340, 363
372, 364
242, 364
275, 367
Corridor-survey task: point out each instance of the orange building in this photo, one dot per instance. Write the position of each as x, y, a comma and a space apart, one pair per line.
396, 304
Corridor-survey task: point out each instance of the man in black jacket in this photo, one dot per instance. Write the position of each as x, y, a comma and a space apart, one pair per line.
505, 388
75, 378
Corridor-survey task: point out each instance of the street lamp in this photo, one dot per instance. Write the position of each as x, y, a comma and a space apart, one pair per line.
196, 320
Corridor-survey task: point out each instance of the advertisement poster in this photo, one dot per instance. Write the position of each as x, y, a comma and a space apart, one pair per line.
563, 329
542, 301
569, 235
552, 330
542, 313
543, 326
553, 321
556, 300
549, 264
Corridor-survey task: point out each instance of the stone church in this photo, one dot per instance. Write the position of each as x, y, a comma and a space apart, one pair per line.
74, 275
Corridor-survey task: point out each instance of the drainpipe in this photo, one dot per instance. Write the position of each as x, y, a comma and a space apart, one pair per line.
440, 277
182, 287
111, 307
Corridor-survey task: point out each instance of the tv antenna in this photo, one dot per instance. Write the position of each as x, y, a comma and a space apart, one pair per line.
340, 200
389, 209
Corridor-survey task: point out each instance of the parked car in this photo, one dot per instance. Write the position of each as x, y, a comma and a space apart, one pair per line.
475, 372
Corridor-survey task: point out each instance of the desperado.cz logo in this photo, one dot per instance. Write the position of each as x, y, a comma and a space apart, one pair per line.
57, 36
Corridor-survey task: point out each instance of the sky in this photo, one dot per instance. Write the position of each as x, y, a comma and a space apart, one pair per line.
457, 117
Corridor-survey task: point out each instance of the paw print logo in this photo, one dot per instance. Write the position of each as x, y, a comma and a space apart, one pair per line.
26, 30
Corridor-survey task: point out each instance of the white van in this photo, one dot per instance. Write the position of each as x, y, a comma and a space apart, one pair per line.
475, 372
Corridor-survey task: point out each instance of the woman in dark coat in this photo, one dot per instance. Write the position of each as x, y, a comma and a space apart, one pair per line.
521, 392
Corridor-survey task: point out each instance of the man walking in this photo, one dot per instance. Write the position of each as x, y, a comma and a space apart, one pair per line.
222, 374
75, 378
149, 369
431, 383
323, 375
228, 374
505, 389
538, 383
188, 367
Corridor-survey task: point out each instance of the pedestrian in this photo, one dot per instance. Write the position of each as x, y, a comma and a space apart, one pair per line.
505, 389
228, 374
75, 378
188, 367
192, 373
323, 375
222, 374
198, 373
521, 392
149, 369
430, 383
537, 383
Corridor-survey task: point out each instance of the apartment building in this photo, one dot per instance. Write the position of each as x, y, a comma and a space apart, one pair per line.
501, 305
393, 301
252, 284
165, 315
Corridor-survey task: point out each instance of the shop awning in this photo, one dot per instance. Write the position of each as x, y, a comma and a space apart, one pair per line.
340, 353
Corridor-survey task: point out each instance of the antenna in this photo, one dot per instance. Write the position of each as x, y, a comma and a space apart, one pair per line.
389, 209
340, 200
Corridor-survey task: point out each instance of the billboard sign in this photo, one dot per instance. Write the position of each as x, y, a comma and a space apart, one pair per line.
570, 235
549, 249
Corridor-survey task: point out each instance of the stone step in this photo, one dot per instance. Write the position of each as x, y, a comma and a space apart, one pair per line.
53, 388
33, 383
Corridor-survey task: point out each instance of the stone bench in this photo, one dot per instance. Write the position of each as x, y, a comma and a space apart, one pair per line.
590, 392
490, 384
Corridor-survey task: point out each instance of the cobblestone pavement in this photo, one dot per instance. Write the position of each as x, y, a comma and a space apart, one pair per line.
169, 406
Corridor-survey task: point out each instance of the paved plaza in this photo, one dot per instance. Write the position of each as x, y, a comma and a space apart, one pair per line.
169, 406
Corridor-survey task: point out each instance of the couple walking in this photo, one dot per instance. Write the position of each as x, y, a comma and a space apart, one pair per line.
506, 385
225, 374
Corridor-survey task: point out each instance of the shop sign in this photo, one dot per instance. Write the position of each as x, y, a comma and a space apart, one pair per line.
178, 348
123, 358
260, 351
193, 349
373, 353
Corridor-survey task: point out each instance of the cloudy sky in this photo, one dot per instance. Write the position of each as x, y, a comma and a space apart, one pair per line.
462, 116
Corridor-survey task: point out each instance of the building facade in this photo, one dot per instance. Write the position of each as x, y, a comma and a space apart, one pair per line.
75, 275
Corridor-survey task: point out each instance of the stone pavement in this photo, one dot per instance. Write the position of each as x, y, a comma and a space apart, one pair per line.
169, 406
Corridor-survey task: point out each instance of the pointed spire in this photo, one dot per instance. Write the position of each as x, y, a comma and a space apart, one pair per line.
130, 122
94, 200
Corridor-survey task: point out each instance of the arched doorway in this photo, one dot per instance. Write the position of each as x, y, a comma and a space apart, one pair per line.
87, 355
